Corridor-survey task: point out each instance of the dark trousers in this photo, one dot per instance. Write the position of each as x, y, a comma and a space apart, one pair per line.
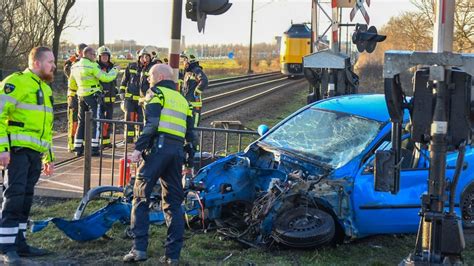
164, 163
22, 174
106, 127
72, 111
88, 103
133, 112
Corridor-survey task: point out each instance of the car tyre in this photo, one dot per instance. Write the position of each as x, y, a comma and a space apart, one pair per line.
304, 227
467, 207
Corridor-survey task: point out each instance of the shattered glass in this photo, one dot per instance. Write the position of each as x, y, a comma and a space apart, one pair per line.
328, 137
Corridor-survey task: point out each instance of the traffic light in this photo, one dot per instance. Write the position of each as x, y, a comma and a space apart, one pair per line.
366, 39
197, 10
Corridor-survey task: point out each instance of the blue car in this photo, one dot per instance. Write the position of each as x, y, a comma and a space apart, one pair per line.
309, 181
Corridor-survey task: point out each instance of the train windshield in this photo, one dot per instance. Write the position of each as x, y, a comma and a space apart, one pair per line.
328, 137
298, 28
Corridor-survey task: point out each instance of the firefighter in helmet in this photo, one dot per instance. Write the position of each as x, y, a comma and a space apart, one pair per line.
194, 83
109, 92
133, 87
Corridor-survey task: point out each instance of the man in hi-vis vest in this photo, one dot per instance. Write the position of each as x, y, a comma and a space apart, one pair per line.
169, 123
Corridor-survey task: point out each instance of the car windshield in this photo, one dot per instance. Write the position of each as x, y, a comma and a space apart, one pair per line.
331, 138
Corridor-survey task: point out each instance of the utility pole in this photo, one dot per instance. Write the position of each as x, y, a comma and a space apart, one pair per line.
314, 26
251, 34
175, 37
101, 22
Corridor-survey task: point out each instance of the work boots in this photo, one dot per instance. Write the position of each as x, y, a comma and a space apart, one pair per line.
30, 251
168, 261
11, 258
134, 256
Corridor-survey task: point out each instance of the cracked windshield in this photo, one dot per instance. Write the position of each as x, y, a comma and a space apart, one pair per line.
331, 138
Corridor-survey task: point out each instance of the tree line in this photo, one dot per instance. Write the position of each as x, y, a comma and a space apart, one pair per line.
25, 24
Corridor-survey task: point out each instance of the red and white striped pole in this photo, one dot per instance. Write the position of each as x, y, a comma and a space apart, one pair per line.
335, 27
175, 45
444, 26
314, 26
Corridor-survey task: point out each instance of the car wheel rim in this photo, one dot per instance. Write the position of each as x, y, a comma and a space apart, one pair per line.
304, 223
468, 209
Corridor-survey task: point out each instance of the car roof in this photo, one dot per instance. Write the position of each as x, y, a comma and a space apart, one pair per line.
371, 106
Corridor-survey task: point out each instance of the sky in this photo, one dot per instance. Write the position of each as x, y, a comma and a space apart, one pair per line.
149, 21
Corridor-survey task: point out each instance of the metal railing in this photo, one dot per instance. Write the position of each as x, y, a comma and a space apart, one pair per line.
214, 143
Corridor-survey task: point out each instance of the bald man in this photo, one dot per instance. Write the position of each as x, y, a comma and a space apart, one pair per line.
85, 78
168, 124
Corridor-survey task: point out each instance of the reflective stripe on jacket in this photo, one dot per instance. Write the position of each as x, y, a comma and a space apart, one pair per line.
86, 76
174, 112
26, 113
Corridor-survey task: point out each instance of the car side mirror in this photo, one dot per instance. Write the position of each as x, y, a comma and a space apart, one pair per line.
386, 176
262, 129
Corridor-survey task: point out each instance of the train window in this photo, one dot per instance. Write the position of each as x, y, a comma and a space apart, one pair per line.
298, 29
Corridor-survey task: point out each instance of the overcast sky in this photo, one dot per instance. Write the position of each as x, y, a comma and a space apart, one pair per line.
148, 21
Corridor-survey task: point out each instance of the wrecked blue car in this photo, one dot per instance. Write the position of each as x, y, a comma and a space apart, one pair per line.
309, 180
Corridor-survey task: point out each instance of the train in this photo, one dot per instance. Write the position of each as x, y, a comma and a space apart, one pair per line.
295, 43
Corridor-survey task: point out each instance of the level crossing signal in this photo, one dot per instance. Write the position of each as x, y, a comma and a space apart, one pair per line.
360, 6
366, 39
197, 10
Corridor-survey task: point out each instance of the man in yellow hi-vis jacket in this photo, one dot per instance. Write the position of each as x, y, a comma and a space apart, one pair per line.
169, 122
26, 133
86, 76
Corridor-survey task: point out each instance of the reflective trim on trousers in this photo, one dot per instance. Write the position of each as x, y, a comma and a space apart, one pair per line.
78, 143
173, 113
7, 239
8, 230
22, 226
95, 143
196, 104
31, 139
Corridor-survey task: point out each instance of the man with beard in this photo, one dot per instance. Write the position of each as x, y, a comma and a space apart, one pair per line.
72, 106
86, 76
109, 90
26, 132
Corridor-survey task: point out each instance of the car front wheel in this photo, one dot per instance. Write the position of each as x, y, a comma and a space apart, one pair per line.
467, 207
304, 227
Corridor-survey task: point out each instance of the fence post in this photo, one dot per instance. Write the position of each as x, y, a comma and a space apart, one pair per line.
87, 151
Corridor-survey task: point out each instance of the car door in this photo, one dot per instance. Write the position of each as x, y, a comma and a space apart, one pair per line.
382, 212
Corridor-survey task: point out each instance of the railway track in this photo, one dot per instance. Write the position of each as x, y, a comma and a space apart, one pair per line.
60, 109
220, 101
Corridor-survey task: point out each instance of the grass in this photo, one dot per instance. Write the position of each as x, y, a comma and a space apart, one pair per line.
211, 248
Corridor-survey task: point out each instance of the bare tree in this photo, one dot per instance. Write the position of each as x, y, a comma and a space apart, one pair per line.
57, 11
7, 30
23, 26
463, 21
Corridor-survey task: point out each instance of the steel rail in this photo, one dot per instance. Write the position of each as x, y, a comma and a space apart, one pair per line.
60, 109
